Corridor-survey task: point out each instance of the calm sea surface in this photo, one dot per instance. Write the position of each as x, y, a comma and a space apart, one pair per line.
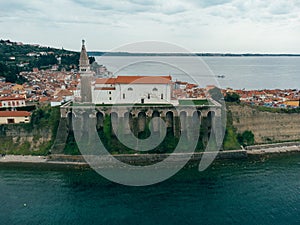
239, 72
229, 192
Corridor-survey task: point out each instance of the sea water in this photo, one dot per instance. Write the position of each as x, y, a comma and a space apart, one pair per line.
251, 191
239, 72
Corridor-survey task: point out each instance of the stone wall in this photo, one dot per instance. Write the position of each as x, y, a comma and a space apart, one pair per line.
15, 139
266, 126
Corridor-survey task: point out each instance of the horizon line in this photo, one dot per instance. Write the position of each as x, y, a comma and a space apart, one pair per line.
191, 53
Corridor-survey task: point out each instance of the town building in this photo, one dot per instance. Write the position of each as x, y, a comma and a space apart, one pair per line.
7, 102
13, 117
292, 103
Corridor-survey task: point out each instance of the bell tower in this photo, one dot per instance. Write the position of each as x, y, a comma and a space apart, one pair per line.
86, 76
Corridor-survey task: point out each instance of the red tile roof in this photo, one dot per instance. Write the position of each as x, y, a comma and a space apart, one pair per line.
63, 92
144, 79
14, 113
135, 80
44, 99
106, 88
106, 81
10, 99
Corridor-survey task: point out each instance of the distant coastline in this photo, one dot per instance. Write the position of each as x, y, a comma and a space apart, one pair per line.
100, 53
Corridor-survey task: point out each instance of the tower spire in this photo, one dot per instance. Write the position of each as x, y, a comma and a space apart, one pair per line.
86, 76
84, 63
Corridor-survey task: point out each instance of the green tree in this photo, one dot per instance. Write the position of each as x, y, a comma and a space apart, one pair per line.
92, 59
232, 97
246, 138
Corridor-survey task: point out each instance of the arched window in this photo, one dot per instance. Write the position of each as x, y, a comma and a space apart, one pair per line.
130, 89
154, 89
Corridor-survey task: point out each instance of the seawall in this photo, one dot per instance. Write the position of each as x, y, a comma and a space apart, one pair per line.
141, 159
267, 127
147, 159
18, 139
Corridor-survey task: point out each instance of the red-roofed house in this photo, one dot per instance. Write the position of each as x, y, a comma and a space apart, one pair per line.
6, 102
11, 117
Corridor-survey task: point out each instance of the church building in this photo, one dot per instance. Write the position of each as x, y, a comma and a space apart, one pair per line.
132, 89
122, 89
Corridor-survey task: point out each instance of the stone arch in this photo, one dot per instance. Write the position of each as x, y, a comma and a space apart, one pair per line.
210, 121
155, 122
114, 122
196, 117
100, 120
128, 114
141, 121
183, 113
84, 119
155, 114
199, 113
194, 123
70, 116
114, 115
182, 117
128, 122
211, 115
169, 119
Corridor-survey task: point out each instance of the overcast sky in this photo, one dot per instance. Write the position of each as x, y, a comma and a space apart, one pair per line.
256, 26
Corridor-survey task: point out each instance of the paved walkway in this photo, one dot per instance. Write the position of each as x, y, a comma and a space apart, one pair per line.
21, 158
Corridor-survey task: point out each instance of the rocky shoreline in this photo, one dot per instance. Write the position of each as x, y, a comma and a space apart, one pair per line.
259, 150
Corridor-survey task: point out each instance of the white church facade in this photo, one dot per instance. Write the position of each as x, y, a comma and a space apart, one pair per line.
132, 90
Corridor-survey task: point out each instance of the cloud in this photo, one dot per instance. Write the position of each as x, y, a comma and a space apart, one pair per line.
14, 8
117, 6
144, 2
135, 6
210, 3
280, 8
200, 24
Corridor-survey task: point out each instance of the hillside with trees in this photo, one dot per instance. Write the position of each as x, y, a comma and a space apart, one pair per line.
16, 57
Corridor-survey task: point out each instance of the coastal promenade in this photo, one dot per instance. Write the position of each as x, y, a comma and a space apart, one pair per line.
23, 159
273, 148
257, 150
